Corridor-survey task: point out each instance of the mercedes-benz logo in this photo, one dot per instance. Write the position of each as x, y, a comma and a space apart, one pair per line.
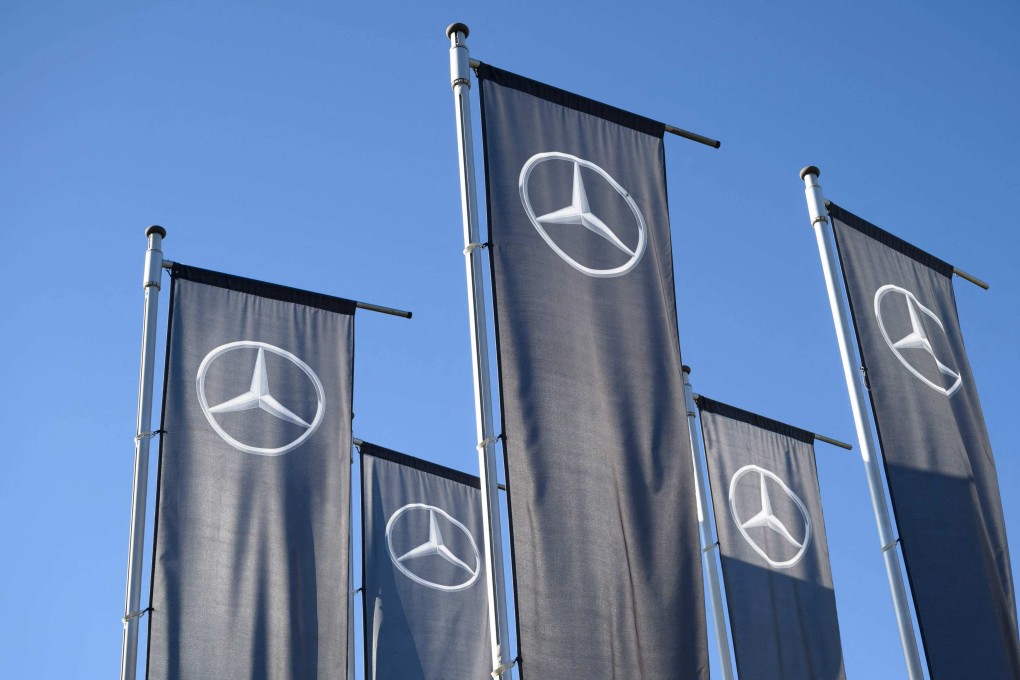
259, 397
449, 562
916, 338
579, 213
767, 519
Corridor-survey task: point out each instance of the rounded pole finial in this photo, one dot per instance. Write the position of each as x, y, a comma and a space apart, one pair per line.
155, 229
686, 369
810, 170
457, 28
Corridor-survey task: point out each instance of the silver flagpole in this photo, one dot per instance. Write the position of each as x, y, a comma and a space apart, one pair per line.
862, 419
709, 546
143, 433
460, 76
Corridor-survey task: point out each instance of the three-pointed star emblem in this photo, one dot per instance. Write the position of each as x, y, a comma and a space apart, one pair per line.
435, 546
917, 338
766, 518
440, 562
260, 397
579, 212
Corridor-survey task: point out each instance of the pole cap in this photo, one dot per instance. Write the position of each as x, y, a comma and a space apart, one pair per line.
455, 28
686, 369
155, 229
810, 170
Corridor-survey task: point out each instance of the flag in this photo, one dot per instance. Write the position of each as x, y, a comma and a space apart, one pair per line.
775, 557
938, 459
424, 596
250, 567
607, 568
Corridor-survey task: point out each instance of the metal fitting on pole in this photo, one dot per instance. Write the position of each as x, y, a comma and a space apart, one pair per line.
862, 418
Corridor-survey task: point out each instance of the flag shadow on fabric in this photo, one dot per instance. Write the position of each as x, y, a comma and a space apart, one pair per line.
757, 645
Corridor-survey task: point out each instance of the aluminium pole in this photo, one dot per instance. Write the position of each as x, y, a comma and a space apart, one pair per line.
460, 75
143, 433
862, 420
709, 547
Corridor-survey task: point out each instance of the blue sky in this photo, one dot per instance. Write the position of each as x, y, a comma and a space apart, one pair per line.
313, 144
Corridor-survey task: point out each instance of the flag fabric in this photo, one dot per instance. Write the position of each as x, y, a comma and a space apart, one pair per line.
775, 557
250, 567
425, 604
938, 458
607, 567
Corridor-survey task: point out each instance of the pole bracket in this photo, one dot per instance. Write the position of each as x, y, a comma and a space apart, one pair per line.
148, 435
889, 546
500, 670
472, 247
136, 615
484, 444
710, 547
824, 219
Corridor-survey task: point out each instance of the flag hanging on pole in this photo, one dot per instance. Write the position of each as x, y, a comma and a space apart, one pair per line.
775, 557
424, 576
938, 459
250, 568
608, 578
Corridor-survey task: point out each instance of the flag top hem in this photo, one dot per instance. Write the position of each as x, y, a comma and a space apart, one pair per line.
271, 291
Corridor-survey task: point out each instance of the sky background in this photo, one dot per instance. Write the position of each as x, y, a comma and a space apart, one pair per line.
313, 145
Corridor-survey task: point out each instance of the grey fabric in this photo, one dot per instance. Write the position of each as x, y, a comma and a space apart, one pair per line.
938, 458
775, 557
251, 552
608, 578
424, 591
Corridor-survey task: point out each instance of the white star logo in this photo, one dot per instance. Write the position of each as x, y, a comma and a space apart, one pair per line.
766, 518
259, 397
579, 213
917, 338
463, 574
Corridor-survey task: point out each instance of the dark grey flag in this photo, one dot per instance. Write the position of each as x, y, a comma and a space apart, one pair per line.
938, 459
601, 489
775, 557
250, 568
424, 577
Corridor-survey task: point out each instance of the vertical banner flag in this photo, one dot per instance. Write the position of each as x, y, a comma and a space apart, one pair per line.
250, 567
775, 558
607, 569
424, 576
938, 459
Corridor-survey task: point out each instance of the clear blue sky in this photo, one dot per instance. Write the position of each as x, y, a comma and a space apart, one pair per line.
313, 144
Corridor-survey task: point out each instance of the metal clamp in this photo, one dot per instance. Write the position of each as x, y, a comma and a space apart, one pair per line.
484, 444
471, 247
889, 546
136, 615
148, 435
821, 218
500, 670
709, 548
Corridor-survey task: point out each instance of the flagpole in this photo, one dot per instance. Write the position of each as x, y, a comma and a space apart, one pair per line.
460, 76
709, 546
862, 420
143, 433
